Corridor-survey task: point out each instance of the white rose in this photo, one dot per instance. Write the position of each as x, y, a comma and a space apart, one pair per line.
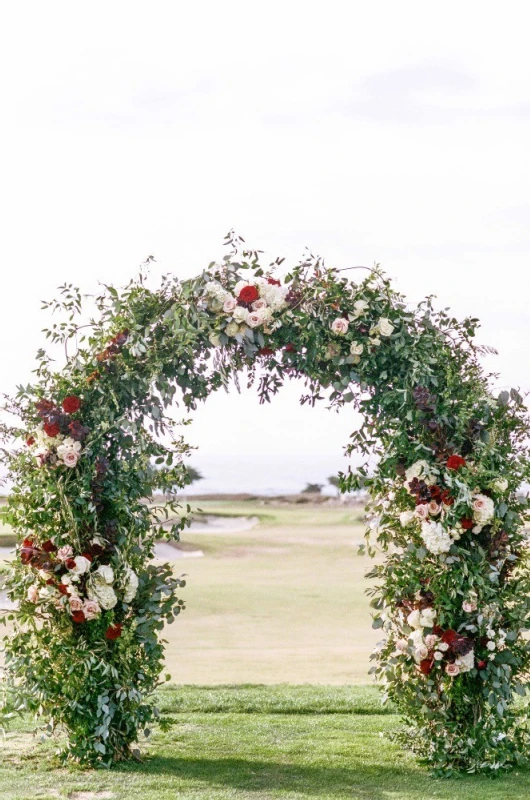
443, 646
385, 327
229, 305
500, 485
360, 307
413, 619
402, 645
491, 646
406, 518
375, 341
68, 445
438, 656
339, 326
427, 617
105, 574
356, 348
240, 314
232, 329
82, 565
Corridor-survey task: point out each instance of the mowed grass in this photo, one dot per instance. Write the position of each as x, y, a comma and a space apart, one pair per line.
253, 743
283, 602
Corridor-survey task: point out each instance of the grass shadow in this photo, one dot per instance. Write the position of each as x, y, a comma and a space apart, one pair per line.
363, 782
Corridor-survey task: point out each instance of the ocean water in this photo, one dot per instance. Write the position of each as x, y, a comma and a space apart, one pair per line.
268, 474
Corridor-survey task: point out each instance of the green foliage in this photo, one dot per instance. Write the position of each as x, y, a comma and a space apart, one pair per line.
415, 376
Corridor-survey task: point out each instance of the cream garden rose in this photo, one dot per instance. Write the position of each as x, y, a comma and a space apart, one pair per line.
340, 326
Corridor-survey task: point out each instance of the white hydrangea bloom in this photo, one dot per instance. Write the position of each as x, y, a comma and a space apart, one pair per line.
466, 662
104, 574
420, 469
436, 539
131, 585
103, 594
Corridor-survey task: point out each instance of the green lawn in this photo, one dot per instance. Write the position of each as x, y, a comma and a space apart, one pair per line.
259, 743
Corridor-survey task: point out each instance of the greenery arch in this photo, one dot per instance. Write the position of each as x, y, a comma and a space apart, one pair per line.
452, 590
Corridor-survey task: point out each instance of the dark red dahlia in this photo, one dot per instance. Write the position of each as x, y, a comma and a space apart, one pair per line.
426, 666
449, 636
70, 563
49, 546
63, 588
52, 429
71, 404
88, 556
248, 294
467, 523
446, 498
113, 632
455, 462
78, 616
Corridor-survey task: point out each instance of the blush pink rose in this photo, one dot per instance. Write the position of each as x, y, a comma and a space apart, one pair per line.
340, 326
469, 606
434, 508
452, 670
258, 305
70, 459
91, 609
229, 305
33, 593
65, 552
254, 319
76, 604
422, 511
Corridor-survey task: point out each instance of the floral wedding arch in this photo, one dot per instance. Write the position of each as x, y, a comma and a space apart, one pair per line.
452, 590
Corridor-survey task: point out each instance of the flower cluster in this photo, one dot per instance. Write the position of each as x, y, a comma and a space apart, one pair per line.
72, 583
57, 440
250, 304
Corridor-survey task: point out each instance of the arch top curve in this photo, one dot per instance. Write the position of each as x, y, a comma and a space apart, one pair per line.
452, 592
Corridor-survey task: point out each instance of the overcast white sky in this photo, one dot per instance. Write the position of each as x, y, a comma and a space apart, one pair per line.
389, 132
